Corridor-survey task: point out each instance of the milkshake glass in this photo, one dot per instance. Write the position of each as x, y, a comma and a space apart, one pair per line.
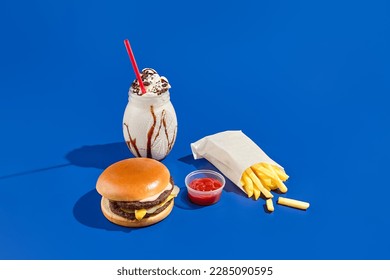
149, 121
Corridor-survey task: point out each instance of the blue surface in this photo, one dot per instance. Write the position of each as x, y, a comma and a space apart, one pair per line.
308, 81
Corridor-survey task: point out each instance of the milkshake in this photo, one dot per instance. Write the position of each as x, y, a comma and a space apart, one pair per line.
149, 121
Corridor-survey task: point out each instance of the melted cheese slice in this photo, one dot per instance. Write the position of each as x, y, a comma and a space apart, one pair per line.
140, 213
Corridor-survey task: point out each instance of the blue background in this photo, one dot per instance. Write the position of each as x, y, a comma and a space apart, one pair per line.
308, 81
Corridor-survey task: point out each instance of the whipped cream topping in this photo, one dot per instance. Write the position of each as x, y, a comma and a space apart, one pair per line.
153, 82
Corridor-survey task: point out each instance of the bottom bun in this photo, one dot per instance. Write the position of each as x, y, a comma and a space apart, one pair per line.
119, 220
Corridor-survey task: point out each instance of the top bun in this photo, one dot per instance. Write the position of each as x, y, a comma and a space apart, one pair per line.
133, 179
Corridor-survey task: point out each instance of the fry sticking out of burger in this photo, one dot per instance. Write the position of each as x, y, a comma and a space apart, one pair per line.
136, 192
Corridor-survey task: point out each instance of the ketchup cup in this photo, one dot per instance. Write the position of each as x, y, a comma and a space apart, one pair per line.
204, 186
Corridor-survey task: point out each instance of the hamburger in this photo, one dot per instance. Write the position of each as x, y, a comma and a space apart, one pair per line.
136, 192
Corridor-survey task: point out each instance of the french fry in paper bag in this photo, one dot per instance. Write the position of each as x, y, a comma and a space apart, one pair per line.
232, 152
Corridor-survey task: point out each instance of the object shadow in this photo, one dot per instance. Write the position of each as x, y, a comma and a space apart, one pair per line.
87, 208
32, 171
87, 212
95, 156
98, 156
183, 202
266, 210
204, 164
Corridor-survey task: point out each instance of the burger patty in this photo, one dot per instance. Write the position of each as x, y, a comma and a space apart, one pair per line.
133, 205
131, 216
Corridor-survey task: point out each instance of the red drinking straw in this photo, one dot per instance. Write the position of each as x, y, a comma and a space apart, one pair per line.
135, 67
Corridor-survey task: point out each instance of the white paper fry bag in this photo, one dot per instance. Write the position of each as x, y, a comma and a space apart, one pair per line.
231, 152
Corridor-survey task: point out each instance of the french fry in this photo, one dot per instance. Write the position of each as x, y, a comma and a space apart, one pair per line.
256, 192
258, 184
269, 205
255, 188
266, 174
280, 172
248, 185
273, 185
275, 178
266, 170
266, 186
265, 180
262, 178
282, 187
293, 203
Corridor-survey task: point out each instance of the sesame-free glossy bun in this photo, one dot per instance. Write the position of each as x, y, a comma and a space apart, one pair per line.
133, 179
116, 219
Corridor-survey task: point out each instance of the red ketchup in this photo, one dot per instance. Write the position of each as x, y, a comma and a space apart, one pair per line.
206, 191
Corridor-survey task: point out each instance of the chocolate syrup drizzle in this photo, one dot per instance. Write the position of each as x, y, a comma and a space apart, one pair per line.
170, 143
132, 144
150, 134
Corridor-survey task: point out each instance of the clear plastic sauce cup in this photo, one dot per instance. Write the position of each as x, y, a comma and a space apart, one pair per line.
204, 186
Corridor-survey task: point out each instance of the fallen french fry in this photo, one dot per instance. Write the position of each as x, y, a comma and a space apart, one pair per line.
269, 205
293, 203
